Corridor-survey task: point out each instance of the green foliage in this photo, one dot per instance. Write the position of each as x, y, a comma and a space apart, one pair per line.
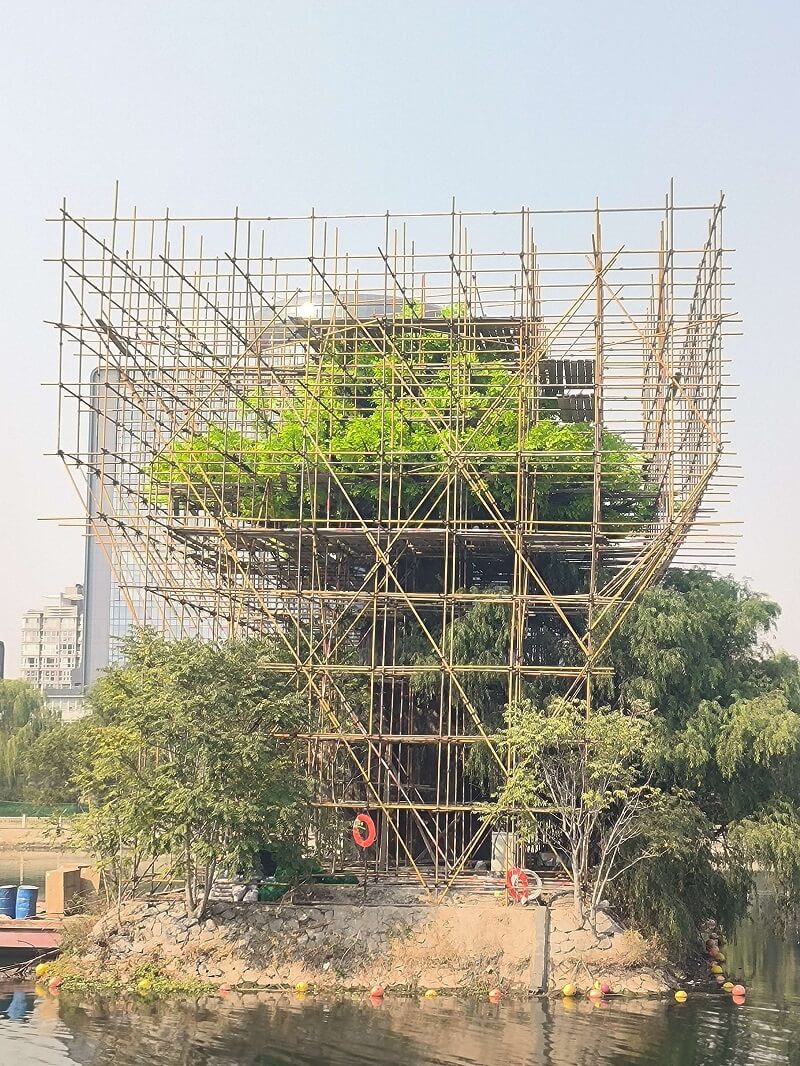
50, 762
182, 765
770, 838
328, 448
24, 720
728, 710
592, 774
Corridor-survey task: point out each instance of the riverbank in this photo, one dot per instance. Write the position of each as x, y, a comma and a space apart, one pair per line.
33, 834
465, 948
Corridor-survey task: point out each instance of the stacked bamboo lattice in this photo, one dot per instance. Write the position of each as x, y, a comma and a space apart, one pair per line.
383, 440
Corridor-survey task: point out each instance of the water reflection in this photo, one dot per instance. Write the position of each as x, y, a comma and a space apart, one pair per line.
17, 1006
278, 1030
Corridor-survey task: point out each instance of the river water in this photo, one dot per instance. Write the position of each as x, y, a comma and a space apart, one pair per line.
284, 1030
30, 867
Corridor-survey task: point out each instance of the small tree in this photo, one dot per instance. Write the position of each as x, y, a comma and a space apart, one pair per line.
590, 773
189, 764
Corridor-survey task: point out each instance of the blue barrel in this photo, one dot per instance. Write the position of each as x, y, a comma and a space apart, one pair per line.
27, 896
20, 1006
8, 901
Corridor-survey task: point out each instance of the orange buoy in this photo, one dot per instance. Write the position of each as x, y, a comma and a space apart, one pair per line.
377, 992
605, 987
495, 995
364, 831
595, 993
738, 990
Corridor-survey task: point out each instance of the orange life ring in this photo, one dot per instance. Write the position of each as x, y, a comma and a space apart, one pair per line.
517, 883
364, 822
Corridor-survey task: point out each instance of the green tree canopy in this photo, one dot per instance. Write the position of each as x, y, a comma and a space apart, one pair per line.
696, 648
188, 759
24, 717
325, 444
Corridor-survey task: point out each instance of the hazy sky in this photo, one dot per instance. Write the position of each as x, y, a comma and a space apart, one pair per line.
280, 106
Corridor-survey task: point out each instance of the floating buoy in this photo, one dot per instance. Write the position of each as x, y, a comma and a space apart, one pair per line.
41, 969
720, 978
364, 831
55, 982
680, 996
719, 957
738, 990
716, 968
301, 986
728, 986
494, 995
431, 993
605, 988
223, 990
595, 993
377, 992
568, 991
144, 984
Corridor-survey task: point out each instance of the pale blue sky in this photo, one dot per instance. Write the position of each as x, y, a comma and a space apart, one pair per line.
354, 105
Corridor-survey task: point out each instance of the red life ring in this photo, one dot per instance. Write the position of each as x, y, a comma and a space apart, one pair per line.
364, 822
517, 883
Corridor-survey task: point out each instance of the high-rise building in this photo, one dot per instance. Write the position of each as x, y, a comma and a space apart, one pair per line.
52, 644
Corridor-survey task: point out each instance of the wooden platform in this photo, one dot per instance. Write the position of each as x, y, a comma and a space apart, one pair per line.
36, 934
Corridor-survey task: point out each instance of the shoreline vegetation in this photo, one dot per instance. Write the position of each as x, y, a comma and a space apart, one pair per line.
661, 803
467, 948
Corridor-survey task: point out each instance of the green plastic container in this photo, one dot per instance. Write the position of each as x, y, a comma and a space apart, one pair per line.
271, 893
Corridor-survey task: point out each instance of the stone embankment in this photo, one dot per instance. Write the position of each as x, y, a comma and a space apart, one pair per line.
332, 946
581, 955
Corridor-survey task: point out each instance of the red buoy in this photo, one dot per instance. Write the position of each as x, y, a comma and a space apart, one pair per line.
517, 883
364, 832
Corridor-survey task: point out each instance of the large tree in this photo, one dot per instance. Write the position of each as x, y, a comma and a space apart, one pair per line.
188, 761
696, 649
24, 717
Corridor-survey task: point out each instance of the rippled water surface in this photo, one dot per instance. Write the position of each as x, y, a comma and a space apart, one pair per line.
279, 1030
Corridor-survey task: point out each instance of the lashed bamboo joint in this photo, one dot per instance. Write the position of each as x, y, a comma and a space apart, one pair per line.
435, 460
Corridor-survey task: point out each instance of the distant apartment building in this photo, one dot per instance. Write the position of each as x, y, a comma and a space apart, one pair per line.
52, 650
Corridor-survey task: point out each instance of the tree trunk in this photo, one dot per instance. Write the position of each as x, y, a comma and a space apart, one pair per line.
189, 881
576, 889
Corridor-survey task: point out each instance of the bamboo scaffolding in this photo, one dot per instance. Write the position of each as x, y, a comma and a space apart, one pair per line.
174, 330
